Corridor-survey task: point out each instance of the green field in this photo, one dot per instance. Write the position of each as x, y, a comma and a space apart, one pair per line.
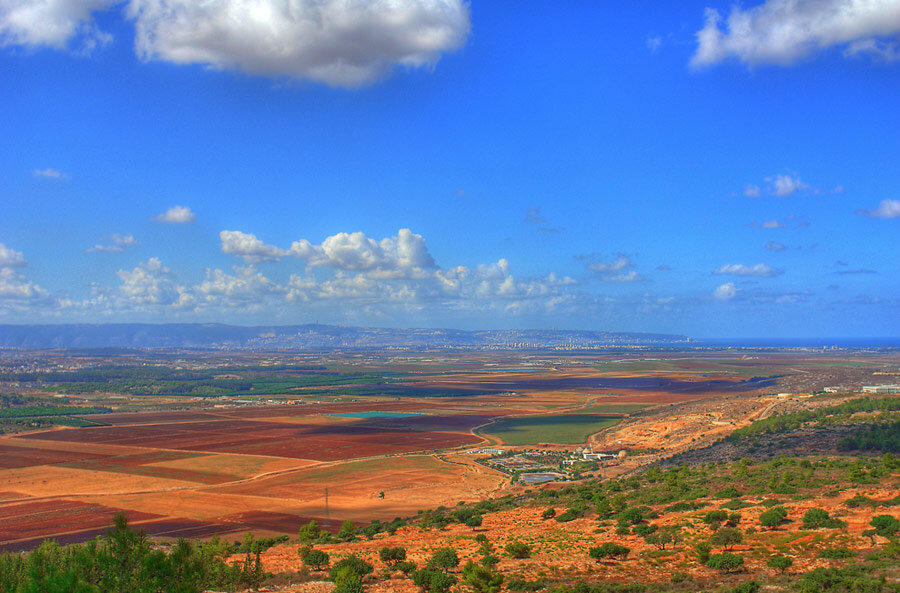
564, 429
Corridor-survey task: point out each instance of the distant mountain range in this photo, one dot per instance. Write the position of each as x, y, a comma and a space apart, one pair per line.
309, 337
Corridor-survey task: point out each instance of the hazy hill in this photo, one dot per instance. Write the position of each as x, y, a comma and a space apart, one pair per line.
313, 336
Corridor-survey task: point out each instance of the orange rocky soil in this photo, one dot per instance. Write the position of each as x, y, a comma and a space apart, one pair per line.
560, 550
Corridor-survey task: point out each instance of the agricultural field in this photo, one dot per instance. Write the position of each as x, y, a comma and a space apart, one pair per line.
563, 429
198, 444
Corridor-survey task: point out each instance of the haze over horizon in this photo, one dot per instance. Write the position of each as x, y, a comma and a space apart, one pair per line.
705, 169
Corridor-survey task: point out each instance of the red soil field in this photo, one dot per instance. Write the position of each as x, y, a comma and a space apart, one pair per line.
301, 441
139, 465
32, 519
12, 456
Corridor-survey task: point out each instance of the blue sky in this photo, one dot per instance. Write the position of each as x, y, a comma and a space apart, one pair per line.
626, 166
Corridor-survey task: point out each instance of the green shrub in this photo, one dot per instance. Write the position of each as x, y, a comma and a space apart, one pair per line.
518, 550
481, 579
781, 563
726, 562
818, 519
354, 563
392, 555
835, 553
703, 550
316, 559
726, 537
773, 517
608, 550
444, 559
548, 514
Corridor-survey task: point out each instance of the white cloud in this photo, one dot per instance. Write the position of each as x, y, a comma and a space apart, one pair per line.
773, 224
337, 42
52, 23
10, 258
773, 246
752, 191
886, 209
725, 292
654, 43
618, 263
15, 290
884, 51
355, 251
785, 31
117, 244
176, 215
758, 270
786, 185
48, 173
151, 283
630, 276
249, 247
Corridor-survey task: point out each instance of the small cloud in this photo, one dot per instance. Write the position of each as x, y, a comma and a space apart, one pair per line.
101, 248
630, 276
786, 185
49, 173
117, 244
663, 268
176, 215
758, 270
773, 246
773, 224
838, 189
725, 292
654, 43
886, 209
10, 258
249, 247
882, 51
460, 193
552, 230
123, 240
855, 272
534, 216
618, 263
752, 191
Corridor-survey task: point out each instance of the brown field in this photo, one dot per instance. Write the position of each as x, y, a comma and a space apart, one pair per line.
221, 469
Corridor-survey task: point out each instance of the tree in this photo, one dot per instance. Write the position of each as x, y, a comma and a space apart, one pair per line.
548, 514
433, 581
608, 550
347, 532
317, 559
347, 581
474, 521
818, 519
309, 532
667, 535
715, 518
702, 549
444, 559
353, 562
782, 563
886, 526
773, 517
391, 556
481, 578
726, 562
726, 537
518, 550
